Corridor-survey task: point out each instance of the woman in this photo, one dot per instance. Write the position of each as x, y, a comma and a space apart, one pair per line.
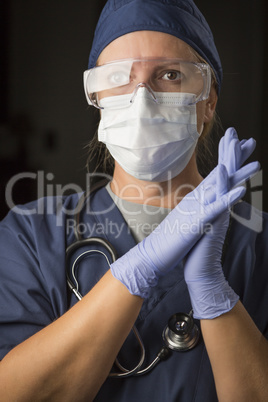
148, 82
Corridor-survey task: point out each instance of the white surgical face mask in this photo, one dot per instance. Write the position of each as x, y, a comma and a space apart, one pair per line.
150, 141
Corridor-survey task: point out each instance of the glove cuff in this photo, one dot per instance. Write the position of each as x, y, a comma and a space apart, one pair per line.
209, 302
134, 273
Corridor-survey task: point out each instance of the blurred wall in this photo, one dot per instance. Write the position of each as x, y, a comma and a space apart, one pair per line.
241, 34
44, 119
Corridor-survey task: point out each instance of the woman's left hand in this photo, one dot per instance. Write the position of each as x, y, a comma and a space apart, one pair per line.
209, 291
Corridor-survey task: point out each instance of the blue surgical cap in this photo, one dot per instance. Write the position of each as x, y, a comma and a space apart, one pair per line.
180, 18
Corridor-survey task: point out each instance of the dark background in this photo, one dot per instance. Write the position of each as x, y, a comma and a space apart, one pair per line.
44, 119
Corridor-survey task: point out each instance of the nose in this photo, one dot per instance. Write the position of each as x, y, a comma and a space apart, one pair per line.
143, 85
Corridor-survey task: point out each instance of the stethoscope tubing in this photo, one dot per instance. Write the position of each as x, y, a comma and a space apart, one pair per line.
73, 285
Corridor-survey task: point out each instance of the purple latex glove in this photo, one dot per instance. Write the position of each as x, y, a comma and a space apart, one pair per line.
232, 152
210, 293
140, 268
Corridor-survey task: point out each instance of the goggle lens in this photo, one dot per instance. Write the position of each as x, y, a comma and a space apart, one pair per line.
161, 75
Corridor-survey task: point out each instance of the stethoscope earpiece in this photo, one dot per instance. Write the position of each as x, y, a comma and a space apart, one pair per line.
181, 333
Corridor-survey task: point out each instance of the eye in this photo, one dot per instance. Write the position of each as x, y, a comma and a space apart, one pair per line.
118, 78
172, 75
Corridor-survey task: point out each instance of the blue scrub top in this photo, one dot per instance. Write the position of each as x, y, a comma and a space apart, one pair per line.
33, 290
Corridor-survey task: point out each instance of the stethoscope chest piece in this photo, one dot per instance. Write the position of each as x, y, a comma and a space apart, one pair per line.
181, 333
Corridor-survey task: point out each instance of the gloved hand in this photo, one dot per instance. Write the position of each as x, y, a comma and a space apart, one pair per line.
209, 291
140, 268
233, 153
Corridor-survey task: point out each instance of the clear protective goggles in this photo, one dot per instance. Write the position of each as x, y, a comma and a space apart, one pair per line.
122, 77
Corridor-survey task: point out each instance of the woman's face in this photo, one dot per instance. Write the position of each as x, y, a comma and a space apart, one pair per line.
149, 44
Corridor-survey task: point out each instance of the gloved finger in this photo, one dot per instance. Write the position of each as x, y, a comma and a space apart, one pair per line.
220, 224
244, 173
208, 183
224, 145
205, 192
208, 194
212, 187
222, 184
233, 156
227, 156
231, 133
210, 212
233, 153
229, 199
221, 151
247, 148
216, 183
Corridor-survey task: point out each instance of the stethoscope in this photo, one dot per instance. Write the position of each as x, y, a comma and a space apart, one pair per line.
180, 334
